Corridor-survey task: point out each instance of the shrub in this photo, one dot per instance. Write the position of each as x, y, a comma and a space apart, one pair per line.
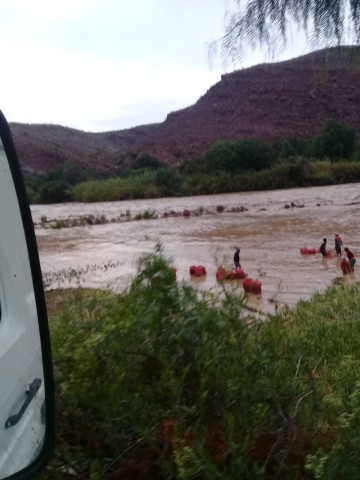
335, 141
192, 166
165, 382
54, 192
291, 146
207, 184
168, 182
346, 172
137, 185
220, 208
146, 161
239, 156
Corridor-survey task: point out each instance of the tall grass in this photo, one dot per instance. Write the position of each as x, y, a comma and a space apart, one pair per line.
290, 173
162, 382
112, 189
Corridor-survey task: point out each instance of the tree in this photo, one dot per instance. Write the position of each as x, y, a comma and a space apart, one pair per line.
55, 191
168, 182
146, 161
335, 141
268, 22
291, 146
239, 156
191, 166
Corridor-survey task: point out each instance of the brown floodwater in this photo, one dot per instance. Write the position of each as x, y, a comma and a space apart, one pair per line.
270, 237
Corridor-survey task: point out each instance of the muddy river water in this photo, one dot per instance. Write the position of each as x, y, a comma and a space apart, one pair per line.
269, 234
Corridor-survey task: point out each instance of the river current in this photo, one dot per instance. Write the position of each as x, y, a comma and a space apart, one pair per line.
268, 230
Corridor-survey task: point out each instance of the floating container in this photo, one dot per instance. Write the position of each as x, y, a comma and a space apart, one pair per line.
197, 270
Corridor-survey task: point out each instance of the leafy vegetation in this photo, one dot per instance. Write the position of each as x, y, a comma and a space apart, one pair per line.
335, 142
252, 24
229, 166
239, 156
55, 186
162, 382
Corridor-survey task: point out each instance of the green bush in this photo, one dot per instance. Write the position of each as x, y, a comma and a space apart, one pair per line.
239, 156
165, 382
346, 172
291, 146
192, 166
146, 161
137, 185
168, 182
54, 192
335, 141
31, 195
208, 184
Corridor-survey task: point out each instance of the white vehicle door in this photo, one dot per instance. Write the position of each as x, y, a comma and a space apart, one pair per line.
25, 362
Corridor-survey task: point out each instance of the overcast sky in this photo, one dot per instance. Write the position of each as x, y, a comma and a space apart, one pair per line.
100, 65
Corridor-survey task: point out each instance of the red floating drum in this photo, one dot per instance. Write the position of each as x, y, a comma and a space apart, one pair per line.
256, 286
197, 270
252, 286
345, 266
240, 273
247, 284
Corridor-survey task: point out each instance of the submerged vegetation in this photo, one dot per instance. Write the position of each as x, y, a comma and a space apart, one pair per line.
164, 382
332, 157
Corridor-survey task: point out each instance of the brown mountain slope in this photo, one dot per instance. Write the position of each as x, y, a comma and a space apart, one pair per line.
267, 101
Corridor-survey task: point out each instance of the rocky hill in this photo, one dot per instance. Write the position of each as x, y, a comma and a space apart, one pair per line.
267, 101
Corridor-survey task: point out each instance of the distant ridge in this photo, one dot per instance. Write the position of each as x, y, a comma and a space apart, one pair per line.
267, 101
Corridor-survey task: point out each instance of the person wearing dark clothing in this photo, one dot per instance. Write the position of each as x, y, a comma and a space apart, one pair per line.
338, 245
351, 257
323, 248
237, 258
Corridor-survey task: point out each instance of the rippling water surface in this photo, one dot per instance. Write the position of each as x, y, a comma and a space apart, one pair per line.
269, 235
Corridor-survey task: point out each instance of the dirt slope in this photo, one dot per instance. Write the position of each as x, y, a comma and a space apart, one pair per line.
267, 101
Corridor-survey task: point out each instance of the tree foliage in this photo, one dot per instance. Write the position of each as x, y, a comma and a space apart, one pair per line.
73, 173
291, 146
239, 156
336, 141
168, 182
268, 22
146, 161
55, 191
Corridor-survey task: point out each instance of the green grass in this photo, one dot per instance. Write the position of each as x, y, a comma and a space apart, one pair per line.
162, 382
113, 189
296, 172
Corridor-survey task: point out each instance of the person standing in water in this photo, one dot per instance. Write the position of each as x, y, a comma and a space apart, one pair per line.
323, 248
338, 245
351, 257
237, 258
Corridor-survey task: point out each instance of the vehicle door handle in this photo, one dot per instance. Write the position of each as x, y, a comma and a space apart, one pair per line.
30, 393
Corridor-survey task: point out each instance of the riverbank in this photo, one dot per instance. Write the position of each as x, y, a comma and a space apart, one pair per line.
191, 391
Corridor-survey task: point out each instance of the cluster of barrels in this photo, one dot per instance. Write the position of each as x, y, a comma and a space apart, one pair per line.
252, 286
308, 251
345, 265
222, 274
249, 285
197, 270
311, 251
